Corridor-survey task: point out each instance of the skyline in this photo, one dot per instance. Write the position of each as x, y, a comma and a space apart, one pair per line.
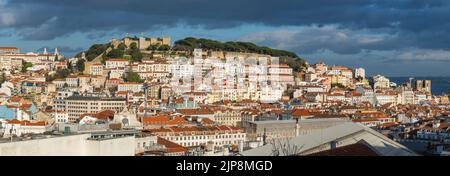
377, 35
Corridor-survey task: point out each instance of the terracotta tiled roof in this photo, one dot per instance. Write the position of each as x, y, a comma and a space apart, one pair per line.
202, 111
102, 115
27, 123
171, 146
357, 149
301, 112
8, 48
207, 121
163, 120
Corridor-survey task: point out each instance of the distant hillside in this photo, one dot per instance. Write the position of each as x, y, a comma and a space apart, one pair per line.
286, 57
190, 43
94, 51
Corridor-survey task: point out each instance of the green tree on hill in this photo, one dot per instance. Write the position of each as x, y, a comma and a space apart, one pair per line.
191, 43
134, 52
133, 77
122, 46
286, 57
115, 53
26, 65
164, 48
80, 65
60, 74
2, 78
94, 51
338, 85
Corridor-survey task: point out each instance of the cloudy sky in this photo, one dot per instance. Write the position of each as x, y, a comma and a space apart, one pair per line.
396, 38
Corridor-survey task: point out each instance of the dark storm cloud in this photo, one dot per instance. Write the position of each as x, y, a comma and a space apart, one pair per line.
414, 23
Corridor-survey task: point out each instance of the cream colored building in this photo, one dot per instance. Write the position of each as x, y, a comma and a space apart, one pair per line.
227, 117
196, 136
116, 63
72, 145
78, 105
130, 86
96, 69
380, 82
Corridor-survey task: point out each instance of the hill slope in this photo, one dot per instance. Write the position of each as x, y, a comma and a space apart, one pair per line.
190, 43
286, 57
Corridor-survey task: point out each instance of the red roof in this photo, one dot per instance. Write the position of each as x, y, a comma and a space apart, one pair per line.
357, 149
207, 121
27, 123
171, 146
202, 111
163, 120
8, 48
300, 112
103, 115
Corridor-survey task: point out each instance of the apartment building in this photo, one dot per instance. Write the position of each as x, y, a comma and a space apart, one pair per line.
220, 136
116, 63
78, 105
130, 87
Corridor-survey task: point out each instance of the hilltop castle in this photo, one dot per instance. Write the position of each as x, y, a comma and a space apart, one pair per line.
143, 42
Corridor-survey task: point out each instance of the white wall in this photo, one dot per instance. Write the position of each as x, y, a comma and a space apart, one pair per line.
74, 145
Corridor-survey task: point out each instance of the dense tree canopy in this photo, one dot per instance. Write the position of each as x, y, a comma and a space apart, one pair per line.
133, 77
80, 65
26, 65
122, 46
286, 57
94, 51
134, 52
115, 53
2, 78
191, 43
60, 74
338, 85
